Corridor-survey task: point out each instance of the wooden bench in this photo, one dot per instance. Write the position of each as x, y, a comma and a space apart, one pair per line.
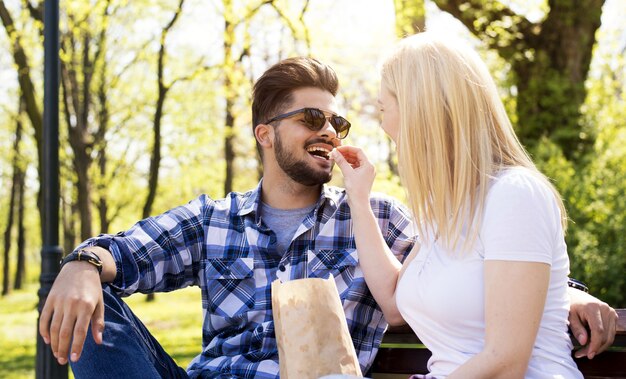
401, 352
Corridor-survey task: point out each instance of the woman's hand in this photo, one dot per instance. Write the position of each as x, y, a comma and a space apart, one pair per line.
358, 173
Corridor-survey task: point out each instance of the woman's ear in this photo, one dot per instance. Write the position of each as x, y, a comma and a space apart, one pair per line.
264, 134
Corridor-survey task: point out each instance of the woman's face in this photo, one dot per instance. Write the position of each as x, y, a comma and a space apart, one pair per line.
389, 110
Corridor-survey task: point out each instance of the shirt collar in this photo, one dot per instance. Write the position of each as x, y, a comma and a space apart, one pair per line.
252, 199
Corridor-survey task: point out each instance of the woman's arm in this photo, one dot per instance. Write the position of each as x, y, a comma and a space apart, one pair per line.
380, 267
515, 295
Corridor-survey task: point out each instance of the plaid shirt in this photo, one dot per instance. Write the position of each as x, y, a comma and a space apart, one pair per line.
224, 247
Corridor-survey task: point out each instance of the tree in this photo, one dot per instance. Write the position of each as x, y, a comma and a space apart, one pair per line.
25, 81
163, 89
81, 48
549, 59
16, 192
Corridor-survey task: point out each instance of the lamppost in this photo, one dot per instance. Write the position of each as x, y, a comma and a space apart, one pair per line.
46, 366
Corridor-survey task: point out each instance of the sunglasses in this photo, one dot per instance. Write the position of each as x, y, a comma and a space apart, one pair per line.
315, 119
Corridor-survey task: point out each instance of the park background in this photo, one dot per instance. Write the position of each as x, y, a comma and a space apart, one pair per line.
155, 110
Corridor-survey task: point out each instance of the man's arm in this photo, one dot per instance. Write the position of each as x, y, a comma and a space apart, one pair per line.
74, 301
590, 315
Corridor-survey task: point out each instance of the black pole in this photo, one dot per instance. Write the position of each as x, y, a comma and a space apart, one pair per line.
47, 366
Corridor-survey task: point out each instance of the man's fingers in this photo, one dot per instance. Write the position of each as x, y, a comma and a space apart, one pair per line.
598, 335
611, 337
78, 340
97, 322
610, 324
44, 321
582, 352
65, 338
55, 327
578, 329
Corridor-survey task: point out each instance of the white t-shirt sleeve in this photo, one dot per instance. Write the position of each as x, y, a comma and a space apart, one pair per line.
521, 220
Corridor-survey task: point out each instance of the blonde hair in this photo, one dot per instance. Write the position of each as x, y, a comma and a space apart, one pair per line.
454, 134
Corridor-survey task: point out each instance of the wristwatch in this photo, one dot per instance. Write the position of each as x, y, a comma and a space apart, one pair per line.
85, 256
574, 283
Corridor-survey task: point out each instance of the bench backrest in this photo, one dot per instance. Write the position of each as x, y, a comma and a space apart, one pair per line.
402, 353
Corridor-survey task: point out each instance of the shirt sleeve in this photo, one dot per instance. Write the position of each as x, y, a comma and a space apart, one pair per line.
397, 226
161, 253
521, 220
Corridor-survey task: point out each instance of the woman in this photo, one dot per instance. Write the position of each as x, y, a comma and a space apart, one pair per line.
486, 290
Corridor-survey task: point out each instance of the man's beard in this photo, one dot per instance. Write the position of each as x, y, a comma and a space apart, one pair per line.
299, 170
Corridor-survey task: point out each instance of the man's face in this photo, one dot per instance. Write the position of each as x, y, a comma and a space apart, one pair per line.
301, 152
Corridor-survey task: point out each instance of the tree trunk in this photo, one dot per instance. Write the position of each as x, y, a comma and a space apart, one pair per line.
69, 231
229, 149
76, 110
7, 231
155, 160
20, 269
229, 118
76, 79
550, 60
103, 206
17, 189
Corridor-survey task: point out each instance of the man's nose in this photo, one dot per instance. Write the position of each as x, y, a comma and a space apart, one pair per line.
328, 130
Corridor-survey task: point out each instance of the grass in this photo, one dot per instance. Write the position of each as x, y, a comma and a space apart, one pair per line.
175, 319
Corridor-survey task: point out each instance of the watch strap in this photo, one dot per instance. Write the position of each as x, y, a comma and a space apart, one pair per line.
574, 283
84, 256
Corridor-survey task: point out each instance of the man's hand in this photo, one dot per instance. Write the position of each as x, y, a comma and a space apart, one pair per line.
588, 314
74, 301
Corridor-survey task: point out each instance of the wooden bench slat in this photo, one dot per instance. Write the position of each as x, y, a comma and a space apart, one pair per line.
401, 361
613, 362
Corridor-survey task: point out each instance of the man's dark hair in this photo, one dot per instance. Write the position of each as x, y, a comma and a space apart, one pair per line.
273, 91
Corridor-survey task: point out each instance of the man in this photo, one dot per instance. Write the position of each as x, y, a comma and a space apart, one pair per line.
291, 226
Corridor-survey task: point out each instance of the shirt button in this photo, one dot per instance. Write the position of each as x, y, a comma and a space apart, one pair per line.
259, 329
281, 267
226, 272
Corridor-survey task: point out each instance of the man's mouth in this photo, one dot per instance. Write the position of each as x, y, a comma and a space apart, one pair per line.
318, 151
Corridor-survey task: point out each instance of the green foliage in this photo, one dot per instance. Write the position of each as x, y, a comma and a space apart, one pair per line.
410, 17
550, 90
594, 189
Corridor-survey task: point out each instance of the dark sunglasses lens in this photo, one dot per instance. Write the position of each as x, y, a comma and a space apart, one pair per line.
341, 125
314, 118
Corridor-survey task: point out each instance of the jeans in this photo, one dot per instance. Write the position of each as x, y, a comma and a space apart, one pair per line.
128, 349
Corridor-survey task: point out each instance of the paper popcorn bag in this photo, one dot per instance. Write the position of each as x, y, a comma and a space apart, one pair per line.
311, 330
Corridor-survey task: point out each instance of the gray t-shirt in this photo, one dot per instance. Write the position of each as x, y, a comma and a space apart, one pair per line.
284, 223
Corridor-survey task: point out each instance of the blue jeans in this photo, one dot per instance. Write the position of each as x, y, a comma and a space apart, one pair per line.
128, 349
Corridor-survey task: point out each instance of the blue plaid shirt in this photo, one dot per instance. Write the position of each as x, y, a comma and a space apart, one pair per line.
224, 247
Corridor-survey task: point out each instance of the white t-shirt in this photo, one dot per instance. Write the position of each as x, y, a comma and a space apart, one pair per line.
441, 294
